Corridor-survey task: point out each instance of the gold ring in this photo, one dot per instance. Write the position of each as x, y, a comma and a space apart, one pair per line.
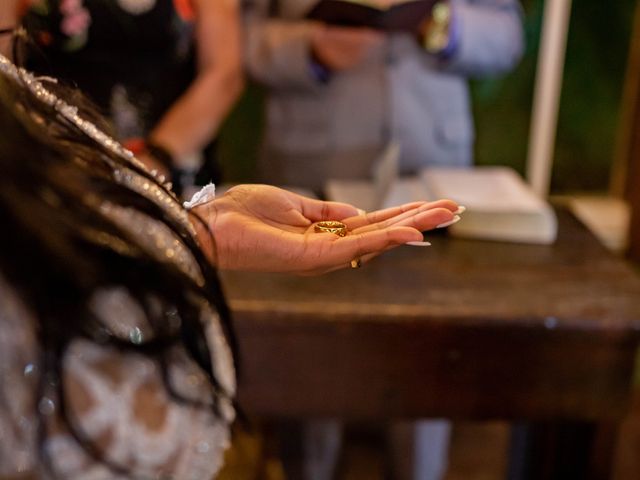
356, 263
331, 226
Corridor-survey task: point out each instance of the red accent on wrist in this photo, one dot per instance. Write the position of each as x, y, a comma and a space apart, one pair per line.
135, 145
185, 10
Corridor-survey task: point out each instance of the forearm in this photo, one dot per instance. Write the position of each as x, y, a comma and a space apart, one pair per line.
8, 19
196, 116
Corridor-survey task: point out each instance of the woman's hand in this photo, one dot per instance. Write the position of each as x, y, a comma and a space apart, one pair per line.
343, 48
264, 228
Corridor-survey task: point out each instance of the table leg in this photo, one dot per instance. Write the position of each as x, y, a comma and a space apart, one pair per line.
562, 450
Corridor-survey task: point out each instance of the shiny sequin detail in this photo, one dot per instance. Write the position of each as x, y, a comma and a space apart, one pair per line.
69, 112
153, 191
156, 237
124, 176
20, 75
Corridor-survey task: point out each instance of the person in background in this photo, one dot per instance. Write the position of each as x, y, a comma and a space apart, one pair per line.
166, 72
338, 96
116, 343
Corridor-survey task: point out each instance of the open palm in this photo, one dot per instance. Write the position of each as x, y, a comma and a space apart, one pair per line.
264, 228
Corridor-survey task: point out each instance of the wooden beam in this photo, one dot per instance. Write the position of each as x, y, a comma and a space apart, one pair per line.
546, 97
626, 173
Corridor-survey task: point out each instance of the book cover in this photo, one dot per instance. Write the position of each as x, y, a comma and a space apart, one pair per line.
405, 16
500, 205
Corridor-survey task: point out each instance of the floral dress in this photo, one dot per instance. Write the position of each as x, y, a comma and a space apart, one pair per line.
134, 58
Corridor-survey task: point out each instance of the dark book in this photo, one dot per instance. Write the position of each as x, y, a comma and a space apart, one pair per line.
402, 17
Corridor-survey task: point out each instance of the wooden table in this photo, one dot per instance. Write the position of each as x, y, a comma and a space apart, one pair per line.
462, 329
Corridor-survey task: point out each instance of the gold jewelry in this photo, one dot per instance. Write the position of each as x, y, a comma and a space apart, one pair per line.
436, 32
331, 226
356, 263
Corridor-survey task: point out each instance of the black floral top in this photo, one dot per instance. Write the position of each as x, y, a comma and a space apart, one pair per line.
134, 58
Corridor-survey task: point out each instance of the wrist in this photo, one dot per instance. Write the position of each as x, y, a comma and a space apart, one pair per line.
179, 177
160, 153
319, 70
318, 67
199, 216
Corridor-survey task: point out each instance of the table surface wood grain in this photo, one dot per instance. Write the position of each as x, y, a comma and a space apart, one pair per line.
462, 329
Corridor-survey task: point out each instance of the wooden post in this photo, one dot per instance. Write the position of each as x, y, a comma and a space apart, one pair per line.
626, 173
546, 98
633, 194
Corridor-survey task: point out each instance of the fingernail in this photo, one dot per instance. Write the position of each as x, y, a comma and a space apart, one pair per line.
418, 244
450, 222
461, 209
361, 212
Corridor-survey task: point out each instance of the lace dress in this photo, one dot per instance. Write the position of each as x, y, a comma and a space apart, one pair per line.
117, 398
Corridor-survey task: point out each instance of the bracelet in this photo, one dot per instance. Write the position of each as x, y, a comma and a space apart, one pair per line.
179, 177
161, 154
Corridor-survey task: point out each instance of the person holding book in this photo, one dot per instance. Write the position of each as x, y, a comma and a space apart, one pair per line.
344, 82
338, 95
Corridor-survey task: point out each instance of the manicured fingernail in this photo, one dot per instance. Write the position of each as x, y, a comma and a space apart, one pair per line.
450, 222
361, 212
461, 209
418, 244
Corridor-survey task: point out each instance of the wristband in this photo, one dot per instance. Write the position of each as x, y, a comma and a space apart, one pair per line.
161, 154
179, 177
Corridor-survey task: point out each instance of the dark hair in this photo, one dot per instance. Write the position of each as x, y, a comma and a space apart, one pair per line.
57, 249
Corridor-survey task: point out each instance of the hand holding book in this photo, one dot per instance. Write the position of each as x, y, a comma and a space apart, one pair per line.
342, 48
384, 15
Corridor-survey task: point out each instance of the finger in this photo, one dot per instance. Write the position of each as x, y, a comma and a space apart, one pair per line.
363, 259
379, 215
342, 250
370, 36
408, 216
425, 220
318, 210
420, 218
399, 213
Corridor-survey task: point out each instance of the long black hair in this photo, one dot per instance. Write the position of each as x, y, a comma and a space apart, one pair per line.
58, 248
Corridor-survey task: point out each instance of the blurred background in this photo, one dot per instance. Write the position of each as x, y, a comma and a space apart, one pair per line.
589, 149
589, 116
